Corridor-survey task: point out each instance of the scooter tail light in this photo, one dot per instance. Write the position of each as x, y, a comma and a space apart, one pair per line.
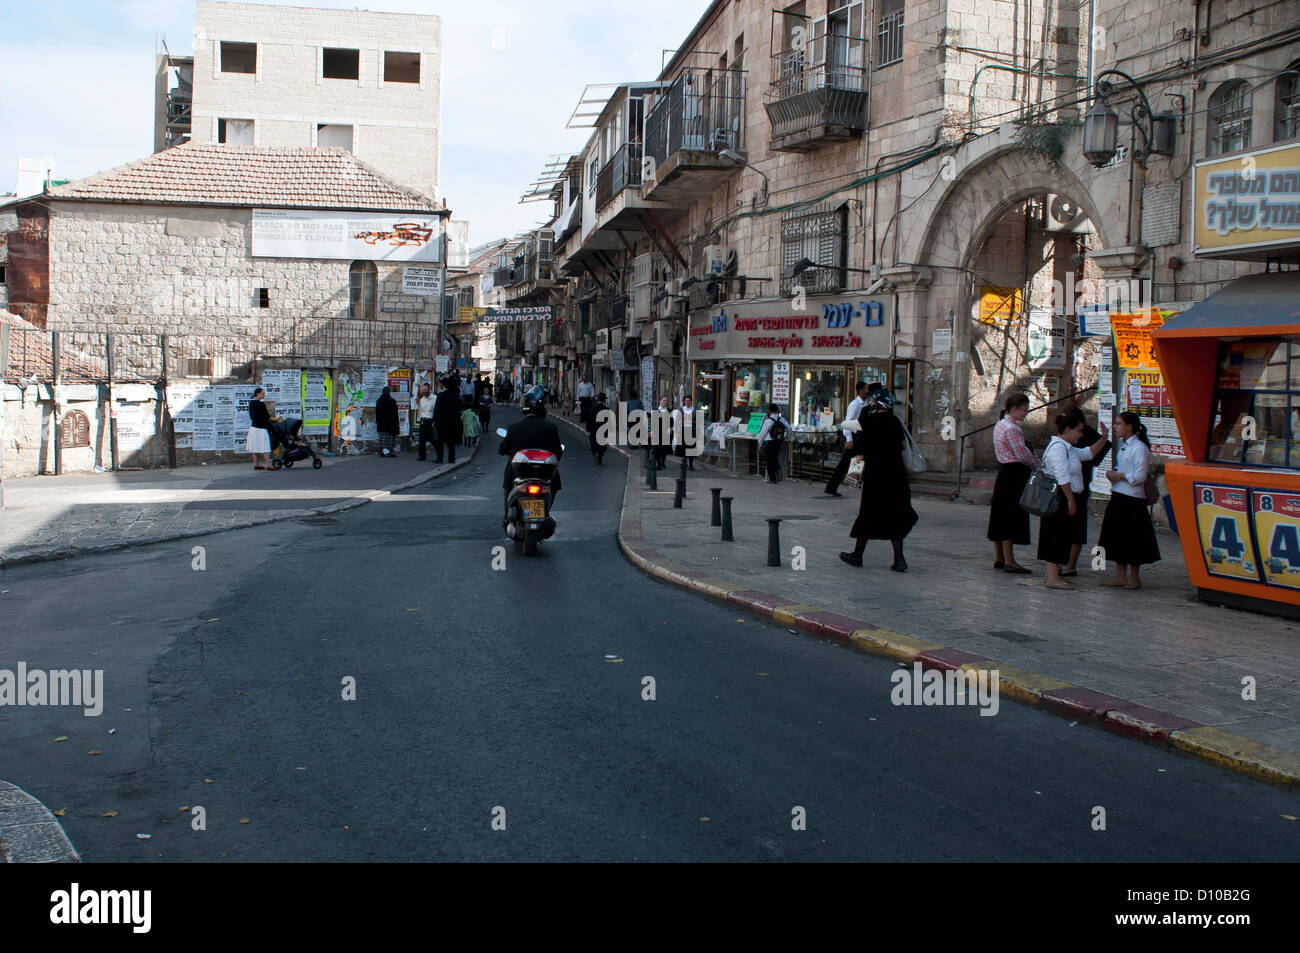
534, 489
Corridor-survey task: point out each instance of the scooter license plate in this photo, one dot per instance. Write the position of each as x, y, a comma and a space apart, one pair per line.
534, 509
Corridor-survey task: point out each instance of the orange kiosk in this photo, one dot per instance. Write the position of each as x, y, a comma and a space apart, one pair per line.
1232, 367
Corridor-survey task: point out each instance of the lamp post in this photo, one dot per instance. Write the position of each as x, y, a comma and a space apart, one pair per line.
1101, 124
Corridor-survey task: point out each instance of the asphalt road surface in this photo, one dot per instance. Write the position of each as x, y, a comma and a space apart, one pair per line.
487, 698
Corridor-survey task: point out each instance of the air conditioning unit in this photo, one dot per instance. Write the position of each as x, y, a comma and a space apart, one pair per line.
571, 289
718, 258
663, 339
643, 300
1062, 214
646, 269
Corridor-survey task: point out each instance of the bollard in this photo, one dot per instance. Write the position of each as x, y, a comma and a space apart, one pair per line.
726, 520
680, 494
774, 541
716, 519
653, 481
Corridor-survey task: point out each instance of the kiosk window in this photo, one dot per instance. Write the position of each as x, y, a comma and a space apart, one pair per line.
1256, 418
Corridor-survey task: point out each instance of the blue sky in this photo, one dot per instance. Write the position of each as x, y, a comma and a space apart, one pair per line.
79, 83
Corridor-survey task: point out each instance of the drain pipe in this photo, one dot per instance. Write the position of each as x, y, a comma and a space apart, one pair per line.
1092, 31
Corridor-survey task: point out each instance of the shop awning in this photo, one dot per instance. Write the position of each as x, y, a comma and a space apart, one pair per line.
1258, 304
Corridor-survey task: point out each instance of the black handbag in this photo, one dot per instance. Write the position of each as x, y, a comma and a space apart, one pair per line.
1041, 495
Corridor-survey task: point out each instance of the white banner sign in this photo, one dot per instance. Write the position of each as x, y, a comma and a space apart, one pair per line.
780, 382
421, 281
372, 236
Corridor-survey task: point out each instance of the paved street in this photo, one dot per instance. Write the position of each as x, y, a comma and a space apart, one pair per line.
479, 689
51, 517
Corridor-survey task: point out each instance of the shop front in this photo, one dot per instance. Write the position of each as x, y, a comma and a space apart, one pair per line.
748, 355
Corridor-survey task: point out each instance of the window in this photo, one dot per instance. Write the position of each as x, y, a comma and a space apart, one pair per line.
593, 174
340, 64
890, 31
363, 285
333, 136
1259, 381
263, 298
817, 234
1286, 108
235, 132
238, 57
401, 67
1229, 119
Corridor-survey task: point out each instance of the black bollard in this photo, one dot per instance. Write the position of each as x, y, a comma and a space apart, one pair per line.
774, 541
716, 519
679, 494
653, 481
726, 520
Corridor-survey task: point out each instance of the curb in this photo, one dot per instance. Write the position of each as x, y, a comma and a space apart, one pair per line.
1210, 745
68, 552
29, 833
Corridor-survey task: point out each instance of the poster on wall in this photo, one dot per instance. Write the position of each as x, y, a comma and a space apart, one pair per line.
1146, 395
1046, 340
242, 422
1134, 349
781, 382
1276, 516
374, 378
181, 398
135, 425
399, 385
351, 236
205, 436
316, 389
1223, 522
417, 280
224, 417
648, 382
289, 403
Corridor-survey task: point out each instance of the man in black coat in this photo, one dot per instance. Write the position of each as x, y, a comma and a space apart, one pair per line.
534, 432
386, 423
446, 420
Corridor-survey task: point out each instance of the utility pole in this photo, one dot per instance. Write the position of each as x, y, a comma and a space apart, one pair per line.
442, 294
4, 368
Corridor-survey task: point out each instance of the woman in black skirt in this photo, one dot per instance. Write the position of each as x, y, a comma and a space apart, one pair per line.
1063, 461
1127, 534
1008, 523
886, 508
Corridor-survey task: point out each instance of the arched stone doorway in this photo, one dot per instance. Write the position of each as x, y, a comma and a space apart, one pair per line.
1006, 221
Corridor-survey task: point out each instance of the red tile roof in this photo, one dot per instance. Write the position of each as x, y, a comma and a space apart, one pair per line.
252, 176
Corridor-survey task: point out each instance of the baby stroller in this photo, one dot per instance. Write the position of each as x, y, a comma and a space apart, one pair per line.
287, 445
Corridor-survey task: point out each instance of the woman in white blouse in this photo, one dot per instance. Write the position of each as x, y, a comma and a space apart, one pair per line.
1063, 461
1127, 534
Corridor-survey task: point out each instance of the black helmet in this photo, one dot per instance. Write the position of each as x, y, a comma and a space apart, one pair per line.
537, 408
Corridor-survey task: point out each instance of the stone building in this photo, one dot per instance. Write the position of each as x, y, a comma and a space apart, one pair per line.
216, 263
897, 190
370, 83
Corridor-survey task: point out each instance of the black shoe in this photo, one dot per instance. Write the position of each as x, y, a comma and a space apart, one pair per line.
832, 493
851, 558
899, 566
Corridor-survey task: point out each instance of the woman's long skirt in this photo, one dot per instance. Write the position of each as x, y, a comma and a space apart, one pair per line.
1006, 519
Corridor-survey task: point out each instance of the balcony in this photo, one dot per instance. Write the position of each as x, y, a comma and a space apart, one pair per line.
620, 172
811, 105
695, 119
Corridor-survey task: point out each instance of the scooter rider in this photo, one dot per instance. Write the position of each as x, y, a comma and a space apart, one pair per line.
534, 432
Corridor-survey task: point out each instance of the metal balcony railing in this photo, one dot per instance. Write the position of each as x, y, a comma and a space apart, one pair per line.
801, 97
623, 170
698, 115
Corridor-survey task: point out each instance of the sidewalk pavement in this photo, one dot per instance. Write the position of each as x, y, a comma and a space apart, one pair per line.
50, 517
1155, 664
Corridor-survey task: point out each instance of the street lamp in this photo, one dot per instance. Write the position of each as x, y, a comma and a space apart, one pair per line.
733, 156
1101, 124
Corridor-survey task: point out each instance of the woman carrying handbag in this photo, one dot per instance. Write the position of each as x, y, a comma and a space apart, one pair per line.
1063, 462
1127, 534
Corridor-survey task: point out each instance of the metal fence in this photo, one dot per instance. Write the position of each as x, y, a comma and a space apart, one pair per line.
145, 357
699, 114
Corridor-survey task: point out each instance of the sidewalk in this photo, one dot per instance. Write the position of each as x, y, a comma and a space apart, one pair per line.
1155, 664
50, 517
